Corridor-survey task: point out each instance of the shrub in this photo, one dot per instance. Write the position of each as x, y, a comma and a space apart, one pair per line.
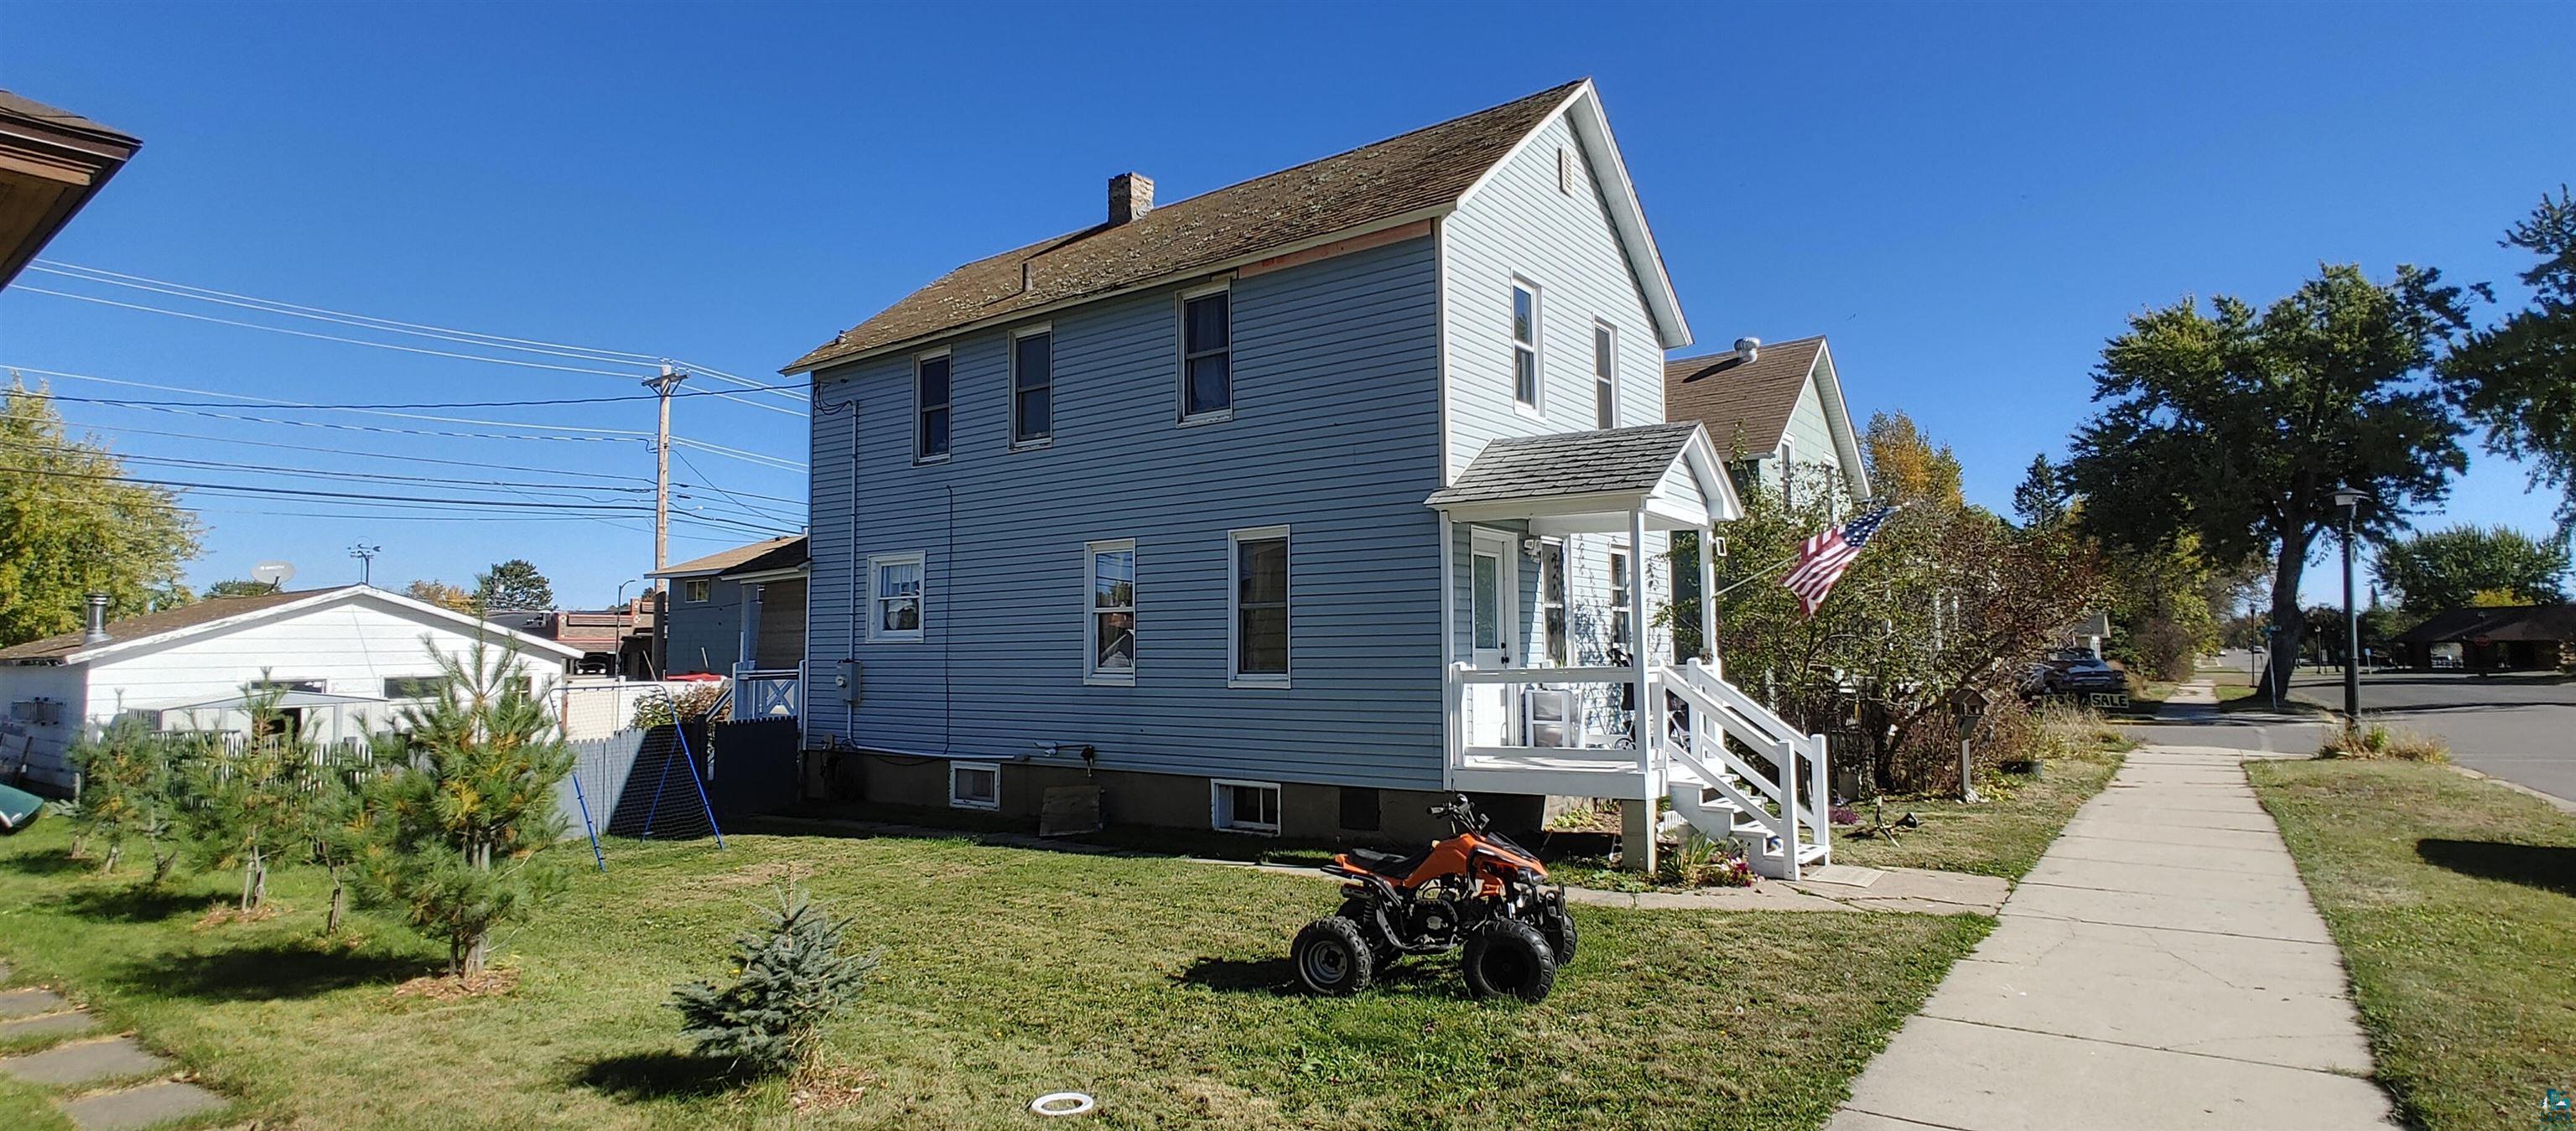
793, 978
2374, 739
1703, 862
696, 704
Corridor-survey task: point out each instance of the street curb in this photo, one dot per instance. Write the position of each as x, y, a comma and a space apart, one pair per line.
2560, 803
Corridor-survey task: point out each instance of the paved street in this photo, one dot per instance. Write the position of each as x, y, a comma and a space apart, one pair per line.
2161, 968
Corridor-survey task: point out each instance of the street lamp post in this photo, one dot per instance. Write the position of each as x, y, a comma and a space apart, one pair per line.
2350, 500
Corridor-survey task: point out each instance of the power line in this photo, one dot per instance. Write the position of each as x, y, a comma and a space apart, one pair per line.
318, 337
606, 436
693, 466
372, 476
353, 452
738, 453
67, 499
234, 398
565, 508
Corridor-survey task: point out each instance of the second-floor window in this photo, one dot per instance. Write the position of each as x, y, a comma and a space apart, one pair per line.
1207, 355
1605, 374
930, 407
1033, 387
1525, 344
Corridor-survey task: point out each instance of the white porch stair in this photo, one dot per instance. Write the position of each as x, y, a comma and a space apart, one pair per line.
1780, 818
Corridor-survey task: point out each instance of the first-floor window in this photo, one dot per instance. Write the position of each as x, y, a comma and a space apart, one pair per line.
1551, 599
895, 592
414, 686
1260, 577
696, 590
972, 786
1110, 622
1620, 625
1245, 806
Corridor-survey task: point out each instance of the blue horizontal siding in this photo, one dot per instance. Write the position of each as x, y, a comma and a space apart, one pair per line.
1335, 434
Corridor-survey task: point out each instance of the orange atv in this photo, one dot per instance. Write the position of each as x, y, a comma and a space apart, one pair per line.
1475, 887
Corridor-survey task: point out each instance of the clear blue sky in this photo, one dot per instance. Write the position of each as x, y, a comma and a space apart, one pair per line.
1967, 199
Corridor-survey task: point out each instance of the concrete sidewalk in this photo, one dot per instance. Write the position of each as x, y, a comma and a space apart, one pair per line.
2162, 967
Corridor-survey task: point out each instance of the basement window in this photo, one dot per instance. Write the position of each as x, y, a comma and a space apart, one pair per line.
1245, 806
972, 786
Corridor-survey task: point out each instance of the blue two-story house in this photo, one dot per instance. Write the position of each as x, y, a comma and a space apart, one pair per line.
1289, 508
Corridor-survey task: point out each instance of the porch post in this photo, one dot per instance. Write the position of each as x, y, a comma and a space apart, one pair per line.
747, 645
1637, 818
1708, 598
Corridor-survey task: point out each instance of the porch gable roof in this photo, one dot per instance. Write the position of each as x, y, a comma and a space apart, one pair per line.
1575, 481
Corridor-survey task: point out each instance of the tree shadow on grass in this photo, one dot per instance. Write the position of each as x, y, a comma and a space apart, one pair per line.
659, 1075
132, 903
1426, 976
279, 971
2531, 865
50, 862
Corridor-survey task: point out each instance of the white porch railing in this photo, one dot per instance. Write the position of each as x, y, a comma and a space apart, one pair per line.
1781, 812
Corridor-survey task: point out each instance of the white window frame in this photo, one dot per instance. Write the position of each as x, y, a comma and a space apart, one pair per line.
1234, 673
1619, 590
696, 590
1019, 442
918, 409
1537, 347
877, 632
1221, 806
1605, 382
1091, 672
1181, 348
1788, 471
958, 769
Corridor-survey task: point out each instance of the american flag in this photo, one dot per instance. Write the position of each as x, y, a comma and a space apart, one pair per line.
1823, 559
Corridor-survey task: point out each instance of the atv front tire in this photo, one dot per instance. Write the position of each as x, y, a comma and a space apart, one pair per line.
1332, 957
1556, 925
1509, 958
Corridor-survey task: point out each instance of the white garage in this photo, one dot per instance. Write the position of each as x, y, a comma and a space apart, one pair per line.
345, 659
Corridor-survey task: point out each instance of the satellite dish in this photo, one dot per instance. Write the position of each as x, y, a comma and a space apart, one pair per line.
273, 574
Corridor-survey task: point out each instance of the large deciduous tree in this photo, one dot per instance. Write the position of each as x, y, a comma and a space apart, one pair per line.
2448, 569
240, 587
70, 525
2236, 426
2518, 379
514, 584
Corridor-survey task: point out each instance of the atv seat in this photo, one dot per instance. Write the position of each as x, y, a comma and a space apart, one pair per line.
1392, 865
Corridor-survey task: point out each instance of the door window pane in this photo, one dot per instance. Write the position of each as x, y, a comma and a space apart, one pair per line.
1487, 599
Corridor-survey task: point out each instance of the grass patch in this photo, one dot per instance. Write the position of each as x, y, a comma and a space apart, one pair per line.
2454, 902
1158, 985
2002, 835
2371, 739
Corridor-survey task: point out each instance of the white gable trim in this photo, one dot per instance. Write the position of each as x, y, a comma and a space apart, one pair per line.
475, 626
1582, 111
1828, 383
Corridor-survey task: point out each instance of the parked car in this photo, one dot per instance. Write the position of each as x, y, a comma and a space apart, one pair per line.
2075, 671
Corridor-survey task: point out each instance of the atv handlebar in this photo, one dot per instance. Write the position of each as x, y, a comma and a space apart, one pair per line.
1461, 813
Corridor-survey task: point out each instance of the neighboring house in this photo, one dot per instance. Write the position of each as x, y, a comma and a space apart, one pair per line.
1770, 408
738, 609
615, 642
345, 658
1286, 508
2506, 638
51, 163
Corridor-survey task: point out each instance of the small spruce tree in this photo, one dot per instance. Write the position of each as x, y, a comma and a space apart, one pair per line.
124, 781
248, 801
794, 979
460, 821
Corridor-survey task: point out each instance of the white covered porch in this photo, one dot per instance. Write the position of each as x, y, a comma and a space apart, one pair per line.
1637, 728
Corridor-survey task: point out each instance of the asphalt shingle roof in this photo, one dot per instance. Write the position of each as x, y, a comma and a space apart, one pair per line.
1746, 404
155, 623
734, 558
1425, 168
1569, 463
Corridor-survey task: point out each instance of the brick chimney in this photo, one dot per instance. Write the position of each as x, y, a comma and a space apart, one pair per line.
1131, 196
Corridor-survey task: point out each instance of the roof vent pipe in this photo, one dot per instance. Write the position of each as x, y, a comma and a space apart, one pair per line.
97, 631
1751, 348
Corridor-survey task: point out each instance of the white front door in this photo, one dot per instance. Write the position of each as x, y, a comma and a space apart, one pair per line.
1493, 627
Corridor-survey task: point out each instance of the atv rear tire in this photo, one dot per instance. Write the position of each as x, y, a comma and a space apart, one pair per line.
1556, 925
1510, 958
1332, 957
1382, 947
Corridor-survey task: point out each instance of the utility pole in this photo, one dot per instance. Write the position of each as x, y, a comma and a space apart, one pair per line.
663, 387
366, 556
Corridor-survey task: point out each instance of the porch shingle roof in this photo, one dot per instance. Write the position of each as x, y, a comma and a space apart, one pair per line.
1569, 463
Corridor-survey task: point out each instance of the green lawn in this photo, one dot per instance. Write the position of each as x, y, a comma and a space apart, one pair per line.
1154, 983
2001, 836
2454, 902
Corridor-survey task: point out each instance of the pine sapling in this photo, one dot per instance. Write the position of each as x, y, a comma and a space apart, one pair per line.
793, 979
